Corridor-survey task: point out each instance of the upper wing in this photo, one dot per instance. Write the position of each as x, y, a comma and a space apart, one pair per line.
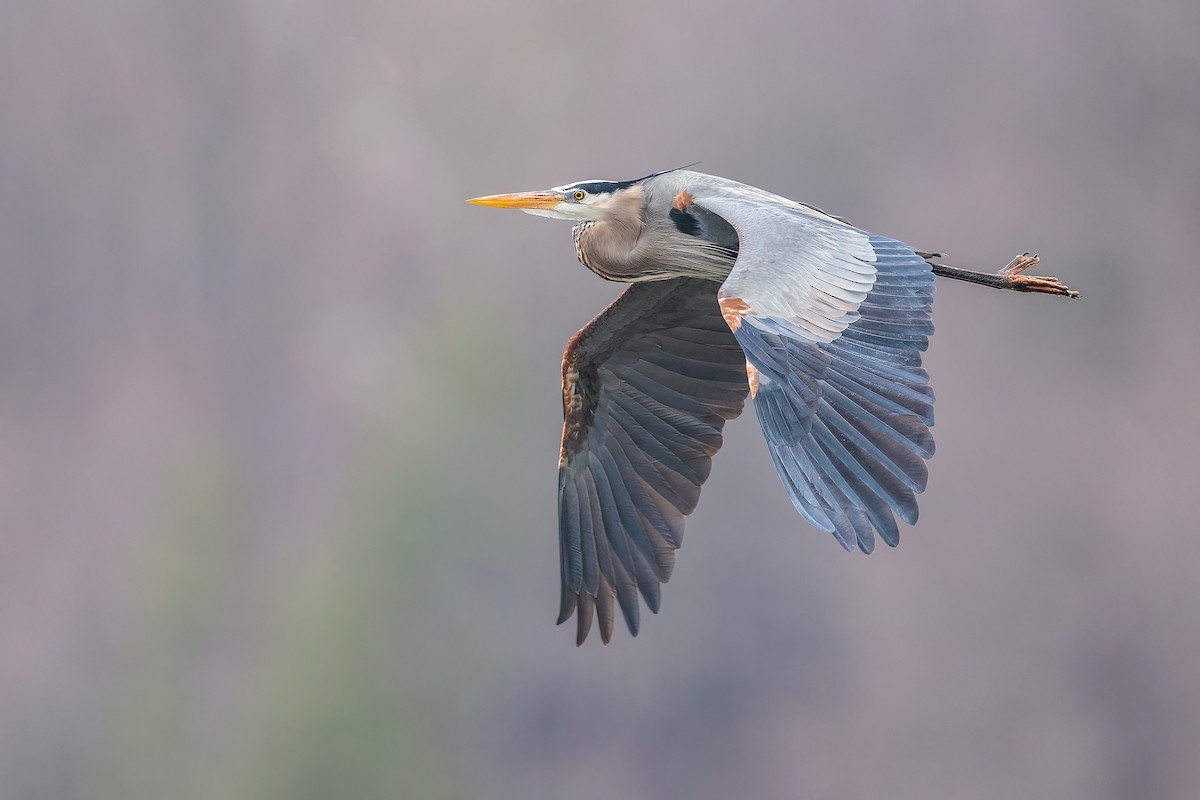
833, 321
647, 387
806, 275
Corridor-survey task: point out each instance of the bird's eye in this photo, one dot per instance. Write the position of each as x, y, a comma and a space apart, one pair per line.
579, 194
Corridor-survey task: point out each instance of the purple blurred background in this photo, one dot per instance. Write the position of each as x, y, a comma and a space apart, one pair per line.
279, 412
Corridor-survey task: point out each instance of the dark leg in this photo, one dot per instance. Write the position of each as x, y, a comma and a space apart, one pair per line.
1010, 277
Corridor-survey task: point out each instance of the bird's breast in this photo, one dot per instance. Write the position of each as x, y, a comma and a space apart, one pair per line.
654, 252
577, 236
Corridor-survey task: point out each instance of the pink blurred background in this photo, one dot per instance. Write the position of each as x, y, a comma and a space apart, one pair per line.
279, 411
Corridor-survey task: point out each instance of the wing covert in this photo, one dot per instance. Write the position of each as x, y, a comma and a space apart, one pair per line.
797, 273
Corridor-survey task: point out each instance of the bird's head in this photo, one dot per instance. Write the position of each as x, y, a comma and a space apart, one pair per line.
581, 201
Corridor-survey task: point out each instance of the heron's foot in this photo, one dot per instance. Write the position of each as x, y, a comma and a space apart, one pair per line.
1014, 276
1011, 277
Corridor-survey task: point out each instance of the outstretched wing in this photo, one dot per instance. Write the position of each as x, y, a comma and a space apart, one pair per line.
647, 387
833, 321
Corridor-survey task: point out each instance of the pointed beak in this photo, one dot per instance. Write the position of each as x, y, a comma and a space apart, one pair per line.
543, 200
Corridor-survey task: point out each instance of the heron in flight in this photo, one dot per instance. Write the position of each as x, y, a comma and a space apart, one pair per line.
735, 291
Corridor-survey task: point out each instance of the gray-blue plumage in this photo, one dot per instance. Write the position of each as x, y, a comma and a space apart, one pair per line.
735, 291
847, 421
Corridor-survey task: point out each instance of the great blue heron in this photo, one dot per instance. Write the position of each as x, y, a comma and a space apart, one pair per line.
735, 290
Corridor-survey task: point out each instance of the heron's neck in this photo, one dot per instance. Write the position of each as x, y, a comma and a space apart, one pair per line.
608, 246
577, 234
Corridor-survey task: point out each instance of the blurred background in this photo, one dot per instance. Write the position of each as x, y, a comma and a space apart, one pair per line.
279, 412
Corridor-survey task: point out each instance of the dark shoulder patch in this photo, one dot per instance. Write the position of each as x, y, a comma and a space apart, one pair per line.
696, 220
685, 222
